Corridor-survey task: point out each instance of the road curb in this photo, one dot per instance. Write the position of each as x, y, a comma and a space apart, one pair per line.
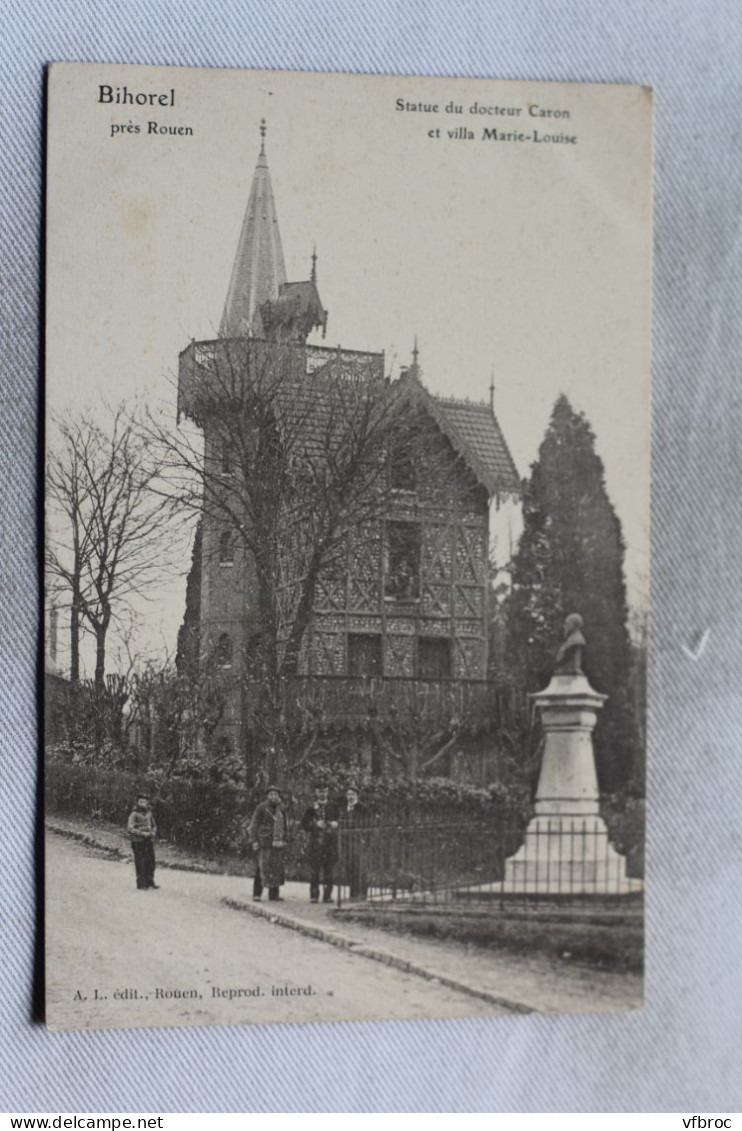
121, 854
388, 958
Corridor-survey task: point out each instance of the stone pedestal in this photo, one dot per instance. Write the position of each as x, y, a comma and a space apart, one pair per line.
566, 848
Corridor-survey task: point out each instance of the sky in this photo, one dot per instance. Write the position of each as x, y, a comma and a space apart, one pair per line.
512, 258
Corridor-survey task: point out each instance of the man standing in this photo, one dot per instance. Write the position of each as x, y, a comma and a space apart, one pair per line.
355, 822
320, 822
142, 831
267, 833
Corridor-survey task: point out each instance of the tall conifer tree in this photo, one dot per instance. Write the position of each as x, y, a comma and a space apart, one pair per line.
189, 634
570, 560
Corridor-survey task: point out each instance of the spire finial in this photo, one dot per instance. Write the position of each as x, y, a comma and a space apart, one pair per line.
492, 389
313, 276
262, 137
415, 354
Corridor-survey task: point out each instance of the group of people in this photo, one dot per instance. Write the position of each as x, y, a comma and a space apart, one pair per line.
268, 834
321, 822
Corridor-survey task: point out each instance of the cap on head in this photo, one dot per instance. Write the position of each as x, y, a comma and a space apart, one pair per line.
273, 789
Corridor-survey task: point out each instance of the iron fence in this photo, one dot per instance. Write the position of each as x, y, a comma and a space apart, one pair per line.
568, 857
397, 852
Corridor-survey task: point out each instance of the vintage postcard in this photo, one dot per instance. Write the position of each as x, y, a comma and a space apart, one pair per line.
347, 553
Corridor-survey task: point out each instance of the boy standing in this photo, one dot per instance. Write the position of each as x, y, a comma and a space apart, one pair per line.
142, 831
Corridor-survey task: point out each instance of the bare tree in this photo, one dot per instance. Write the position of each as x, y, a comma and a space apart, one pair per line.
67, 555
108, 543
288, 466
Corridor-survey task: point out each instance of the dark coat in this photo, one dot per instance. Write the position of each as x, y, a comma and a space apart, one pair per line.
268, 829
265, 823
358, 815
323, 841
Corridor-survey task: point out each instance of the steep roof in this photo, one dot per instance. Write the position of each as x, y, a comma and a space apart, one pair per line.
471, 428
474, 433
297, 311
259, 269
475, 427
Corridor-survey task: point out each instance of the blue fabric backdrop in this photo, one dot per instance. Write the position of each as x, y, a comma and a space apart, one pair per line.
683, 1051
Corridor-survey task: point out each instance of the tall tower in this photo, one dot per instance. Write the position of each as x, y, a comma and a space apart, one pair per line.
265, 320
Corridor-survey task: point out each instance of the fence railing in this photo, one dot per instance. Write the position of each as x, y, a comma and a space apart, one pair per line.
396, 852
565, 858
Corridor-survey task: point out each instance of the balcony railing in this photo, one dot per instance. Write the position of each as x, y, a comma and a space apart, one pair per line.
212, 369
346, 701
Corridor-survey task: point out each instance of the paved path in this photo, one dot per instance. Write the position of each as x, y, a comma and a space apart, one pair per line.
181, 951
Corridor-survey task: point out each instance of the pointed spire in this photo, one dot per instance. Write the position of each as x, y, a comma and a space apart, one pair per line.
415, 356
258, 269
313, 276
492, 390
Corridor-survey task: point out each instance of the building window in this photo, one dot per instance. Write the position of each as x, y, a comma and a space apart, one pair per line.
223, 747
227, 458
433, 658
254, 656
364, 655
402, 472
402, 575
224, 650
226, 548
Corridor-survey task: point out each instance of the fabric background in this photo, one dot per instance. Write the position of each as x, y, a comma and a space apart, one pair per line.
682, 1053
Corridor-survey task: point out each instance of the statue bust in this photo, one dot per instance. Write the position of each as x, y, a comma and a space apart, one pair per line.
569, 656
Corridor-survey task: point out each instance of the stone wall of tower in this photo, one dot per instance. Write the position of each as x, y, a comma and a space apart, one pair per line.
227, 607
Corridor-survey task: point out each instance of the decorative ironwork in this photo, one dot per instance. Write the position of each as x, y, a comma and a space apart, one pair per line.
342, 701
432, 861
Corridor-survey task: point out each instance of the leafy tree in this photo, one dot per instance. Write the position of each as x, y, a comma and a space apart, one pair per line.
570, 560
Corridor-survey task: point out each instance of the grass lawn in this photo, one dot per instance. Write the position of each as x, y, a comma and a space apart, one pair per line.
607, 937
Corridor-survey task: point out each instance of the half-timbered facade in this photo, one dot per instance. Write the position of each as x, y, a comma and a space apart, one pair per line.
404, 605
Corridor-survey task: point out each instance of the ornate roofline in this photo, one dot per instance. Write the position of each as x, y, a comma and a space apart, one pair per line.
409, 383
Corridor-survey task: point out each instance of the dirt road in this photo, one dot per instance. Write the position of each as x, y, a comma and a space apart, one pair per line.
120, 957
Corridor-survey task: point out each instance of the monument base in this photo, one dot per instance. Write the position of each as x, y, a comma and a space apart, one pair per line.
567, 855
